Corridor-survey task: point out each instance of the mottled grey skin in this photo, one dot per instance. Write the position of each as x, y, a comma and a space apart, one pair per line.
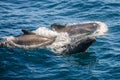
29, 39
76, 30
79, 46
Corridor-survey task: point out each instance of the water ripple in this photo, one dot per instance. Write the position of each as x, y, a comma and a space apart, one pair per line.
101, 62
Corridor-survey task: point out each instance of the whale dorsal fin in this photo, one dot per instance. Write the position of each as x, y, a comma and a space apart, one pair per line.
27, 32
57, 26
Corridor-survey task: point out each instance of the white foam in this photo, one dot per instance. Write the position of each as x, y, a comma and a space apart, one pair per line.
101, 30
61, 38
8, 38
43, 31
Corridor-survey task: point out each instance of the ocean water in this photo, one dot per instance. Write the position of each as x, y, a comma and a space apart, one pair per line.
100, 62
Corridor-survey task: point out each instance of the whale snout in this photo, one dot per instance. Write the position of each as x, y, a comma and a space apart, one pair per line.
84, 44
90, 40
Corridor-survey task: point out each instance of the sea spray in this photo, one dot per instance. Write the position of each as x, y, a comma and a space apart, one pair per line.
43, 31
61, 38
102, 29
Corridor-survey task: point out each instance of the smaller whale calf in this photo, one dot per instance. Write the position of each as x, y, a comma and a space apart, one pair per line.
27, 40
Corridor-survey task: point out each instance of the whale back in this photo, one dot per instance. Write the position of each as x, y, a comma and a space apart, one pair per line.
76, 29
28, 40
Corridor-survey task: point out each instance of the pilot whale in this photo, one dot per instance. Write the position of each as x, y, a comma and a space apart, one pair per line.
31, 40
27, 40
82, 29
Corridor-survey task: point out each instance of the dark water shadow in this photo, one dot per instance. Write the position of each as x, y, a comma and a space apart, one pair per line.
22, 62
46, 58
82, 59
36, 55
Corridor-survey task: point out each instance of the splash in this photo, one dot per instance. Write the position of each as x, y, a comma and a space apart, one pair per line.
61, 38
43, 31
8, 38
101, 30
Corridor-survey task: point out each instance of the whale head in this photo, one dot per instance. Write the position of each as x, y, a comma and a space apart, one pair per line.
79, 30
79, 46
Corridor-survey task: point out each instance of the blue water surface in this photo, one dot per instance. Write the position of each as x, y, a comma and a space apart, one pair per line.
101, 62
